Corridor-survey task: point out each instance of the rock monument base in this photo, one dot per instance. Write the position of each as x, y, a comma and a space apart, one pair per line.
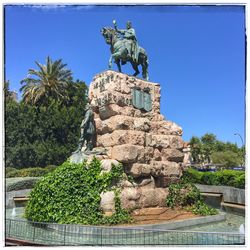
132, 131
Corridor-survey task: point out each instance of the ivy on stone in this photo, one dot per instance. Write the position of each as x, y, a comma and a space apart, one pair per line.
188, 196
71, 195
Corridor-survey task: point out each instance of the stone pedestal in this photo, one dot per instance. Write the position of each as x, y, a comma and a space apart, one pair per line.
131, 128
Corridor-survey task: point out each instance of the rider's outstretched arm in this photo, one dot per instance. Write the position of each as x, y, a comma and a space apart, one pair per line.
121, 31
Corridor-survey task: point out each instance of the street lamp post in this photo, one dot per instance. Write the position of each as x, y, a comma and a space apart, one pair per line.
240, 138
242, 146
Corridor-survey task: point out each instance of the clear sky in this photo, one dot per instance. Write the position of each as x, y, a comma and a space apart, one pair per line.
196, 53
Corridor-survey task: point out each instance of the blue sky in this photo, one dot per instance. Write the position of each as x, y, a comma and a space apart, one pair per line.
196, 53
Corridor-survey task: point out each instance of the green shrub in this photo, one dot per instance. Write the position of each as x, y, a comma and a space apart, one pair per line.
191, 175
51, 168
188, 196
182, 194
9, 169
201, 208
228, 177
240, 181
71, 194
232, 178
12, 173
27, 172
23, 184
209, 178
34, 172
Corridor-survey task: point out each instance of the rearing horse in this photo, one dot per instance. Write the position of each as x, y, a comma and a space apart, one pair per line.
119, 53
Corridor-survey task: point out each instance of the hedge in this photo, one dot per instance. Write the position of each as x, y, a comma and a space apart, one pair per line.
231, 178
9, 169
29, 172
23, 184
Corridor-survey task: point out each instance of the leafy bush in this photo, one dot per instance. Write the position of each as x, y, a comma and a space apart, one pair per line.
71, 194
12, 173
191, 175
201, 208
23, 184
51, 168
187, 195
9, 169
182, 194
209, 178
228, 177
27, 172
223, 177
239, 181
35, 172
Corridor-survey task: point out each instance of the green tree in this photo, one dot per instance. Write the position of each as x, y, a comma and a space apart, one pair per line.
208, 149
220, 146
49, 81
37, 136
77, 93
7, 92
242, 155
236, 152
208, 146
226, 158
196, 148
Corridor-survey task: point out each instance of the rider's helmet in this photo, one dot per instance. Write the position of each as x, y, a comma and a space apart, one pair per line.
129, 24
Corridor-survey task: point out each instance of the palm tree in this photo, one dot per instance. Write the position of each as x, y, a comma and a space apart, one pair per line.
7, 92
50, 81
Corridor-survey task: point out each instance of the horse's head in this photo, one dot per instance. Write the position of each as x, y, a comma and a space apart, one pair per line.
109, 34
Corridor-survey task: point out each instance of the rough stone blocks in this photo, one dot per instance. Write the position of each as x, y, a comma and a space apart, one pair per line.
149, 146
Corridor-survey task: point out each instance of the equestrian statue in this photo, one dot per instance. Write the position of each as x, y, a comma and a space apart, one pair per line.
124, 48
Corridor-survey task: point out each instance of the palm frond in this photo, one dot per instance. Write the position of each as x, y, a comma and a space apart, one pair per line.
50, 80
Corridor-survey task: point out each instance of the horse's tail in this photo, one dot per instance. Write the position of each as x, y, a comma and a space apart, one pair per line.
144, 63
144, 54
147, 60
146, 68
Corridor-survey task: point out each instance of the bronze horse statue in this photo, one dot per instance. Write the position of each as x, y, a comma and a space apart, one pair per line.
120, 54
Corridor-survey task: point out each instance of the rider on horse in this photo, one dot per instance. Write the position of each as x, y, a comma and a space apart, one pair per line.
125, 49
131, 42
